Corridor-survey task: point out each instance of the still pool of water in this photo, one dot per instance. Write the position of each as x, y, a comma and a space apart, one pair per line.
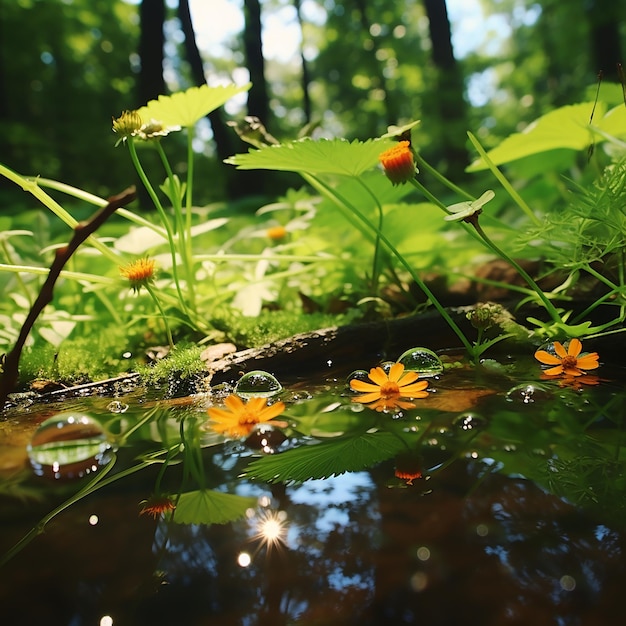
500, 499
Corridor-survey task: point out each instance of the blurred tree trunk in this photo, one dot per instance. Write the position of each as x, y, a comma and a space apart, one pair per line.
151, 83
449, 93
306, 78
258, 99
222, 135
605, 18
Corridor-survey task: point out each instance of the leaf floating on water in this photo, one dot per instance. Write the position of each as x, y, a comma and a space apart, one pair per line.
211, 507
323, 460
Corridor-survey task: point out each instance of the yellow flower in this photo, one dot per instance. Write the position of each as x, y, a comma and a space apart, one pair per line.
156, 505
387, 390
568, 362
238, 419
127, 125
398, 163
139, 273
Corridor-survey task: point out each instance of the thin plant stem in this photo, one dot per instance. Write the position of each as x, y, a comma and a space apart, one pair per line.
503, 181
159, 207
168, 332
550, 308
376, 259
422, 164
365, 224
183, 229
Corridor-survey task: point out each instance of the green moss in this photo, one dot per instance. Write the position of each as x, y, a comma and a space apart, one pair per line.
76, 361
179, 371
269, 326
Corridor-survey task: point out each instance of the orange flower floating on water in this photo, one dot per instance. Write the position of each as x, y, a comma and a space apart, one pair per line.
239, 418
568, 362
139, 273
157, 505
387, 390
398, 163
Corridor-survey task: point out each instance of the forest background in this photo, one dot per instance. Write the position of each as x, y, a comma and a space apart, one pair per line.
67, 67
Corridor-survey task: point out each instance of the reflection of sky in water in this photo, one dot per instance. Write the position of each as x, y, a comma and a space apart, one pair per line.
330, 495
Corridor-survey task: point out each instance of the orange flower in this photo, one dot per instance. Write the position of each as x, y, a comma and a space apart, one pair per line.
139, 273
398, 163
568, 362
276, 233
156, 505
240, 418
386, 390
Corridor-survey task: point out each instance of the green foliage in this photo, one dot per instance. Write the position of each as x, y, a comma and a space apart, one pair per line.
337, 156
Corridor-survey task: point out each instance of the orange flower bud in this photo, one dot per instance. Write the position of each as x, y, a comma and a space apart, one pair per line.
398, 163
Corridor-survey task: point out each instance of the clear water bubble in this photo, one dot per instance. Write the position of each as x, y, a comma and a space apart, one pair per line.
421, 360
258, 384
528, 393
115, 406
69, 445
357, 375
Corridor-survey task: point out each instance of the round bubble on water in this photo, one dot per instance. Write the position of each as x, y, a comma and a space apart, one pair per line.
69, 445
257, 384
115, 406
421, 360
528, 393
357, 375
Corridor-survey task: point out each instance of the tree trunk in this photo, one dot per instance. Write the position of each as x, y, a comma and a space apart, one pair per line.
306, 79
449, 92
151, 83
222, 135
605, 17
258, 100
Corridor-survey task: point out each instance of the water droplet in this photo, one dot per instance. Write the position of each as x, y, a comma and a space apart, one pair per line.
528, 394
257, 384
69, 445
115, 406
357, 375
421, 360
470, 422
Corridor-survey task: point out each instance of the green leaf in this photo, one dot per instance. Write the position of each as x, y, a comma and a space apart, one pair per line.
323, 156
185, 108
211, 507
322, 460
566, 127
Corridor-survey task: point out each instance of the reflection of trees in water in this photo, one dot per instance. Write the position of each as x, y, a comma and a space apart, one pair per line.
362, 552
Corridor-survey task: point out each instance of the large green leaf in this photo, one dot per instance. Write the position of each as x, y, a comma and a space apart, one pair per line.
323, 156
566, 127
185, 108
211, 507
330, 458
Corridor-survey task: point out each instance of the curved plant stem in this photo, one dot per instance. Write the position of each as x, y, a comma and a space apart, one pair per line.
168, 332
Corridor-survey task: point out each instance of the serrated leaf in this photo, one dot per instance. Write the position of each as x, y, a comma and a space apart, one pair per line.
322, 156
211, 507
185, 108
326, 459
566, 127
